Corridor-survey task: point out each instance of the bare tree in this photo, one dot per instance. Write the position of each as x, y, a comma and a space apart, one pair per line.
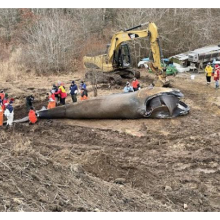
53, 38
50, 44
9, 18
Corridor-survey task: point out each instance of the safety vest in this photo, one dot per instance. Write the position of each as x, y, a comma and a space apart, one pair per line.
52, 103
1, 115
2, 96
32, 116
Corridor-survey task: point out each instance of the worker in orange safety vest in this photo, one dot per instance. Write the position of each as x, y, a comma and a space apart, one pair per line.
52, 101
1, 113
84, 91
32, 116
2, 95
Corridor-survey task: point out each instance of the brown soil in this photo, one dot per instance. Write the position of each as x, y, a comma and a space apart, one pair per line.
114, 165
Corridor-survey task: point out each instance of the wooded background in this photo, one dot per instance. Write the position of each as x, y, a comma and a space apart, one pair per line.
55, 40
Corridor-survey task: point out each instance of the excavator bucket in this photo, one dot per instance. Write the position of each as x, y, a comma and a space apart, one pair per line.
160, 79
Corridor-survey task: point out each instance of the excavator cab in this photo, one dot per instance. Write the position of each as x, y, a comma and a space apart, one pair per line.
122, 57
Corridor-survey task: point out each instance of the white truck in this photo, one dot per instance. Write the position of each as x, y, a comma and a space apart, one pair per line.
200, 57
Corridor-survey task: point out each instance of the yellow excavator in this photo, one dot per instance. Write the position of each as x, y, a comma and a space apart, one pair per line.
117, 60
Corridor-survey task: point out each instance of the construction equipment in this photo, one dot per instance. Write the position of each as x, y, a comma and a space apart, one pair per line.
117, 60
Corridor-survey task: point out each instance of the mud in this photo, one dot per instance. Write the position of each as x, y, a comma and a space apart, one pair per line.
116, 165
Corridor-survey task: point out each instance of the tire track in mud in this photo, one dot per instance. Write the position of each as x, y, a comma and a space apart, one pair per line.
41, 180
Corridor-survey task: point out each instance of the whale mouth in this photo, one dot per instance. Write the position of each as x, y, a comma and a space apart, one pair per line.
166, 105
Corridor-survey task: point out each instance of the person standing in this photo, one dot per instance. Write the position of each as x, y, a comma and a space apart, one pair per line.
29, 102
62, 92
2, 95
135, 84
208, 71
51, 100
216, 76
83, 90
9, 113
54, 90
128, 88
73, 91
5, 101
1, 113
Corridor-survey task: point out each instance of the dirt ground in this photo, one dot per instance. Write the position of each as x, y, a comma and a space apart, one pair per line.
113, 165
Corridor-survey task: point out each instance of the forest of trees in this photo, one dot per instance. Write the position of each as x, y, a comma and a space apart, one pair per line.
55, 40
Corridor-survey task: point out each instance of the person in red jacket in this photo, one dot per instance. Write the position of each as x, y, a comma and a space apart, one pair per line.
5, 102
135, 84
216, 76
32, 116
1, 113
62, 92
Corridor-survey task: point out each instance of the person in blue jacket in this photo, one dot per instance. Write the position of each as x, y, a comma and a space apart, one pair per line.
84, 91
73, 91
128, 88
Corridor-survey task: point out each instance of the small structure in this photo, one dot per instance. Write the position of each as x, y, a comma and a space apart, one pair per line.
181, 59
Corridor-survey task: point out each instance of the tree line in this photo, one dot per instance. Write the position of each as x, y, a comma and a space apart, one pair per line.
55, 40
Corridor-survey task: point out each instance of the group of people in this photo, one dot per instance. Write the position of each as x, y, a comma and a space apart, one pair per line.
6, 108
215, 72
135, 85
56, 96
73, 90
58, 93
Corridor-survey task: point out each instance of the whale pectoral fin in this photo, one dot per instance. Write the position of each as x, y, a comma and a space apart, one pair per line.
25, 119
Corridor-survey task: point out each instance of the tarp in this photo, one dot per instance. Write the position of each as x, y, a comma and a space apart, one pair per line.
180, 68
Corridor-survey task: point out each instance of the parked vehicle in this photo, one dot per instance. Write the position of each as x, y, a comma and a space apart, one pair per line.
200, 57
